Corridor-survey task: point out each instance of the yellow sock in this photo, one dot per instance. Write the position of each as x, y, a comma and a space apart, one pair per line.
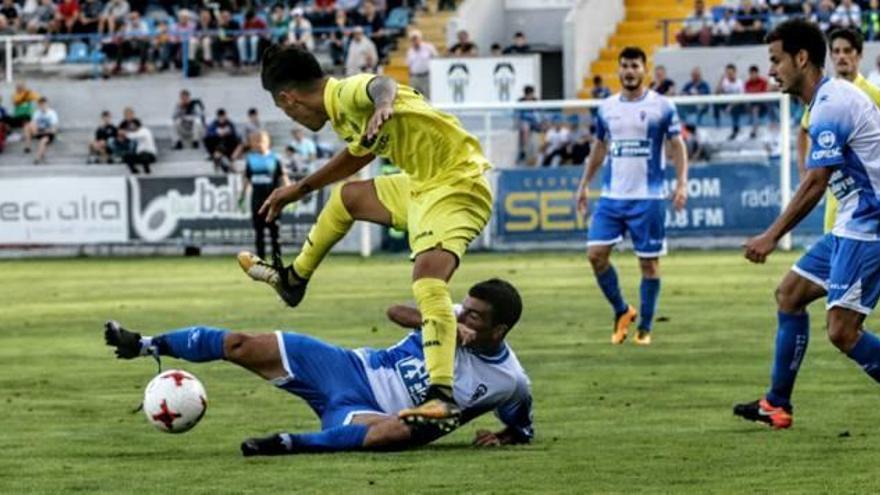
333, 223
438, 329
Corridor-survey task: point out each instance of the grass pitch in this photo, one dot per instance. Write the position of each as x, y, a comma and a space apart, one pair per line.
608, 419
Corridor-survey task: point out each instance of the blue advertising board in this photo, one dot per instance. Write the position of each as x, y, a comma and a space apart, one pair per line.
724, 200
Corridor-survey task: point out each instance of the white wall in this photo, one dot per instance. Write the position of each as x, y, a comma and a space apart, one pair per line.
483, 19
585, 31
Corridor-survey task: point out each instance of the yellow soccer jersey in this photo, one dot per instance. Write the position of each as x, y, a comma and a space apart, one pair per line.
873, 93
430, 146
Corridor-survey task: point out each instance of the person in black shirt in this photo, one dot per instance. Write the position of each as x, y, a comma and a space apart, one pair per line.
189, 120
100, 148
520, 45
129, 121
221, 140
263, 173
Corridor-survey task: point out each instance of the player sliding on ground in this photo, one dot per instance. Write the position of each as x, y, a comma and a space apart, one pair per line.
442, 200
637, 123
357, 394
844, 266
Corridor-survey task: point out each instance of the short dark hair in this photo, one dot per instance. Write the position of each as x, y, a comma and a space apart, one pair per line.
291, 66
502, 297
797, 35
252, 111
730, 66
854, 37
221, 112
597, 79
529, 89
105, 113
754, 68
633, 53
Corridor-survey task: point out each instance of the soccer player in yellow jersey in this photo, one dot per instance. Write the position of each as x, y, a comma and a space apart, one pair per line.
846, 54
442, 199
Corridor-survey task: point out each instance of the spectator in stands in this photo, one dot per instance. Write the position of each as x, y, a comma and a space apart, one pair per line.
188, 120
697, 28
101, 148
221, 140
446, 5
556, 142
251, 126
135, 42
203, 42
113, 15
756, 83
42, 127
278, 23
874, 76
44, 18
871, 21
600, 91
263, 173
4, 124
340, 28
464, 47
24, 101
300, 30
729, 84
696, 86
144, 150
226, 44
527, 122
362, 55
418, 61
12, 12
129, 120
520, 45
348, 5
304, 149
251, 45
495, 50
371, 18
89, 16
692, 143
68, 13
722, 30
8, 30
749, 26
808, 13
182, 30
847, 14
661, 83
579, 149
824, 14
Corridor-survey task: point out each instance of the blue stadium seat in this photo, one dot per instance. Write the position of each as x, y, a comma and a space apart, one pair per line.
718, 12
398, 19
77, 53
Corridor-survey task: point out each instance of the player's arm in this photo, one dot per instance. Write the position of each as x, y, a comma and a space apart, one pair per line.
409, 317
382, 91
594, 162
516, 415
808, 195
678, 154
344, 164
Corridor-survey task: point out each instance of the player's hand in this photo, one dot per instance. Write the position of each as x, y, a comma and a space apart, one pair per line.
679, 197
582, 202
381, 115
759, 247
280, 198
466, 334
485, 438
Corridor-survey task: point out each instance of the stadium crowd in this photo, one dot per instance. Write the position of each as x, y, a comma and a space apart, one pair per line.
746, 22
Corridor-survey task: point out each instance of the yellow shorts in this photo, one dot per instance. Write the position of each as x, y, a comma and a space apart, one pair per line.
830, 211
447, 216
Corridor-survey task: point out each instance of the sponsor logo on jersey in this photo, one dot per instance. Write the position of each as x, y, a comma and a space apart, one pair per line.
415, 378
631, 148
480, 392
841, 185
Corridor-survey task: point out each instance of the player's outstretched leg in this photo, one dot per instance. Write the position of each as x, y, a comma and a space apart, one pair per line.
606, 277
433, 268
338, 439
649, 292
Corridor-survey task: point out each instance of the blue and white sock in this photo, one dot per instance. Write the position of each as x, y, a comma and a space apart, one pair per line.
341, 438
195, 344
608, 283
792, 338
866, 352
649, 292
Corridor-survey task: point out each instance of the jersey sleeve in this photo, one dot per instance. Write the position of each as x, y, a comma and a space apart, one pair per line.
671, 122
831, 124
516, 412
352, 93
601, 125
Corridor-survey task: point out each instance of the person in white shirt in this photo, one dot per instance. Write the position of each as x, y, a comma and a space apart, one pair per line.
418, 60
697, 28
144, 152
300, 30
847, 14
556, 142
42, 127
362, 55
723, 28
729, 84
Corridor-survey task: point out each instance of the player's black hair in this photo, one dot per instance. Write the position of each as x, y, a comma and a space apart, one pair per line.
633, 53
854, 37
504, 299
289, 67
797, 35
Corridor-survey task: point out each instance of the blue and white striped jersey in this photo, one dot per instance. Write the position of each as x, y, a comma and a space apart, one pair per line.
636, 132
844, 129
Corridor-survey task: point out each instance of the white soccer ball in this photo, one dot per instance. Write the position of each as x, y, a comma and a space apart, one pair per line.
175, 401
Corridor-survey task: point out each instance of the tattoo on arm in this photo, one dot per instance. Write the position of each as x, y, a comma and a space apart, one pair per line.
382, 90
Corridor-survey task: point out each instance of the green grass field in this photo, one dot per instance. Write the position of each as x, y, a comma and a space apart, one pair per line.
608, 419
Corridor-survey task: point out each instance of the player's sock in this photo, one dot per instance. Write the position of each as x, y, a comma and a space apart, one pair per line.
333, 223
341, 438
792, 337
608, 283
866, 352
438, 329
649, 292
195, 344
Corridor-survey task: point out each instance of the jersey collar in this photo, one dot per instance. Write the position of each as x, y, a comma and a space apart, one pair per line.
822, 82
330, 98
498, 357
634, 100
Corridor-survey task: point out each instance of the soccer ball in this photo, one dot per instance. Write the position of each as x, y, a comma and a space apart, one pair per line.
175, 401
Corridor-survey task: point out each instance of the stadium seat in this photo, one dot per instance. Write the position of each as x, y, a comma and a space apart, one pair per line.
398, 19
78, 53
